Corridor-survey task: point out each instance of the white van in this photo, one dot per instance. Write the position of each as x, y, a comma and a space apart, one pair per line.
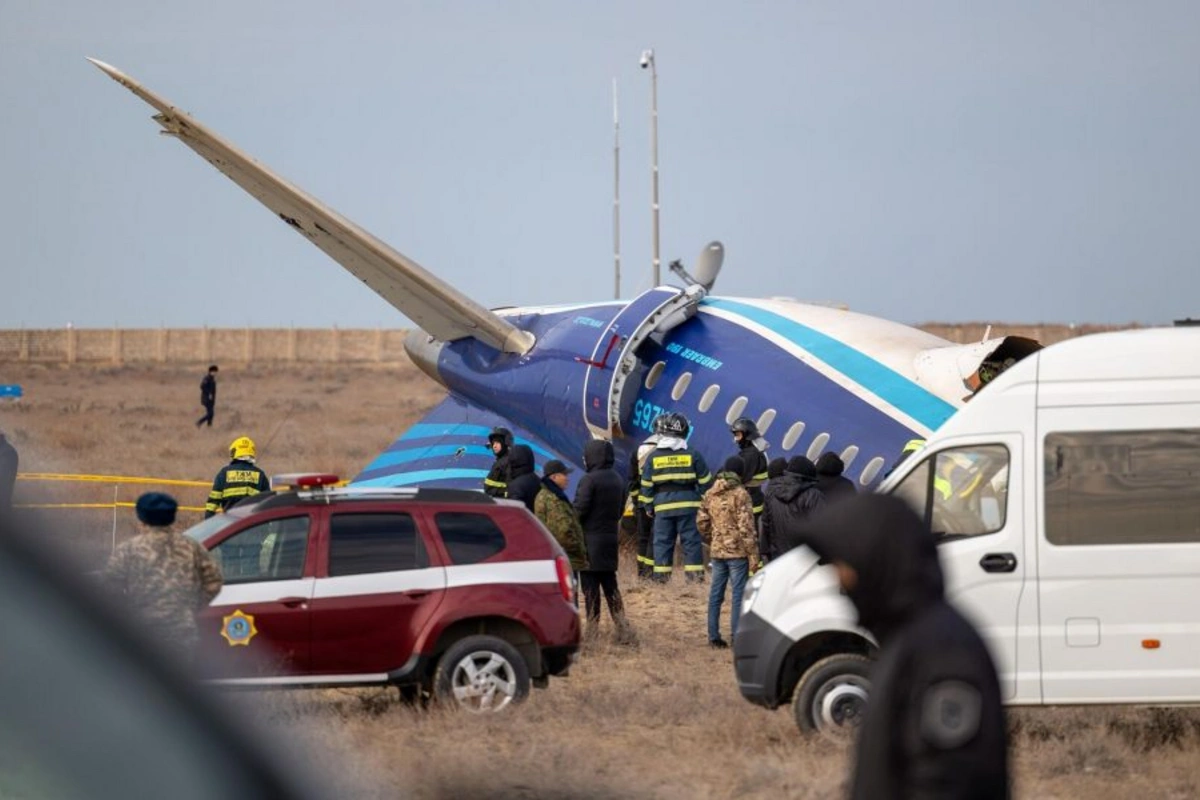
1066, 500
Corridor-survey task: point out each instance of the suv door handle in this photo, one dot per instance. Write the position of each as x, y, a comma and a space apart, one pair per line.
294, 602
998, 562
416, 594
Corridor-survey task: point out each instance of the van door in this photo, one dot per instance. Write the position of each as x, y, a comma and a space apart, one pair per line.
1119, 553
970, 495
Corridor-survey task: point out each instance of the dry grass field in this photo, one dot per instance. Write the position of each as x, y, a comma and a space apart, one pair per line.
663, 719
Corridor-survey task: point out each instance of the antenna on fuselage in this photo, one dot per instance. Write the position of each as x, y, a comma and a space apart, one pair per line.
708, 266
616, 197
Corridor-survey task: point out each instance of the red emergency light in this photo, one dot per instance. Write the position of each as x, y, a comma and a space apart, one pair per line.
304, 480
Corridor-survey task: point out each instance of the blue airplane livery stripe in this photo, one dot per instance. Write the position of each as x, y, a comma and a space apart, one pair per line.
473, 476
887, 384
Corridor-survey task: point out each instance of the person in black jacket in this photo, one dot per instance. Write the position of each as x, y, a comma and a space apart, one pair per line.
599, 502
523, 482
208, 396
496, 482
792, 498
8, 472
934, 725
833, 484
776, 468
750, 446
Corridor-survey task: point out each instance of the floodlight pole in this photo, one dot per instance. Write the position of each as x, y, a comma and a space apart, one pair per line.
616, 197
648, 61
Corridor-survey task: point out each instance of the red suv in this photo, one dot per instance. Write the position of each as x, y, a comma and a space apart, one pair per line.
442, 590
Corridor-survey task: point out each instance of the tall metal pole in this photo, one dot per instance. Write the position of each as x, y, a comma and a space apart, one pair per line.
648, 61
616, 197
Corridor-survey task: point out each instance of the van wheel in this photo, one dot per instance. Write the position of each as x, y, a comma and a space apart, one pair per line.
481, 674
832, 695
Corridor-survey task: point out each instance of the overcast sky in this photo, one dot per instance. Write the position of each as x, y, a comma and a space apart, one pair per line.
1017, 161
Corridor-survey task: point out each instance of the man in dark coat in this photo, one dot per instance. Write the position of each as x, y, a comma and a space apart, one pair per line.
833, 484
208, 396
523, 482
8, 472
792, 498
599, 502
934, 725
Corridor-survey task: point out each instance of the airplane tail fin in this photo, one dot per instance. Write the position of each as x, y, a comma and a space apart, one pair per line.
431, 303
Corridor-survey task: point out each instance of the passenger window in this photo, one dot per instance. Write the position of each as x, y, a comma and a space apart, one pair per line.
654, 374
469, 538
961, 492
735, 410
366, 543
681, 385
871, 470
1123, 487
793, 435
848, 455
708, 398
269, 551
818, 446
765, 420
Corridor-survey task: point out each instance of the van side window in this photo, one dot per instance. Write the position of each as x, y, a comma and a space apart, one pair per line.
1123, 487
960, 492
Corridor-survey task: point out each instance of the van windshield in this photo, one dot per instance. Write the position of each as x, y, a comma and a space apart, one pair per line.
960, 492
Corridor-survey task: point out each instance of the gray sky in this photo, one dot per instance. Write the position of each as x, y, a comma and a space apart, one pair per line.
1019, 161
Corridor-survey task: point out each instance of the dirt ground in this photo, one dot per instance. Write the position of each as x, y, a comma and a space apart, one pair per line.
662, 719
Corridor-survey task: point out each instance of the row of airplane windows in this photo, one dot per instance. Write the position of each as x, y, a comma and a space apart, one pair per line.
815, 448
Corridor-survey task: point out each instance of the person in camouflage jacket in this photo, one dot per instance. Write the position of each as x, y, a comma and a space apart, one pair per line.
726, 520
164, 575
555, 511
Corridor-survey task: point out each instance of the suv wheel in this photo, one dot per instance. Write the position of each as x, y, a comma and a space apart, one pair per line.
832, 695
482, 674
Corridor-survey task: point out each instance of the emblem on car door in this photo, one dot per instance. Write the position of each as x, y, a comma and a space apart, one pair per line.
238, 628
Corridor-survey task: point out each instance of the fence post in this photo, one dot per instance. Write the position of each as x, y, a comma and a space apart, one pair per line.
116, 346
163, 333
248, 347
205, 354
24, 352
337, 344
378, 345
70, 343
291, 344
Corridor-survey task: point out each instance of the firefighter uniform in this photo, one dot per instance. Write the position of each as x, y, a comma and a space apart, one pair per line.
643, 521
239, 479
673, 480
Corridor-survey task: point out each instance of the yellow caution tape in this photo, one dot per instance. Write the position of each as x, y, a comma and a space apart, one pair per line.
95, 505
56, 476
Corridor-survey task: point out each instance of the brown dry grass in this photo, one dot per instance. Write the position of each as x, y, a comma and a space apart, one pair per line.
663, 719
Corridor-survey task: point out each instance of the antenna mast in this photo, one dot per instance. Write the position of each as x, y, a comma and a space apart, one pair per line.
616, 197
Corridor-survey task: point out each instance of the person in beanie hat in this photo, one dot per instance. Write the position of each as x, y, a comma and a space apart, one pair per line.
554, 509
726, 518
166, 576
793, 498
599, 501
833, 484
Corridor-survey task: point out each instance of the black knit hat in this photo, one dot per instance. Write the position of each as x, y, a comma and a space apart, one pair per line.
733, 464
777, 467
555, 467
156, 509
802, 466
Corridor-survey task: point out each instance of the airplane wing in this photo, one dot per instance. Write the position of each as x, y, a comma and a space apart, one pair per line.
436, 307
448, 449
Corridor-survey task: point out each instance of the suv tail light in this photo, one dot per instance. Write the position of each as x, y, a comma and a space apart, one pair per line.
564, 577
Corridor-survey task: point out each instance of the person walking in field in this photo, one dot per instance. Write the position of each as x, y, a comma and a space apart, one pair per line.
239, 479
554, 509
166, 576
726, 519
208, 396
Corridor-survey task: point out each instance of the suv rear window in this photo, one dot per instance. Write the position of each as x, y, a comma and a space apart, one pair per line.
365, 543
469, 538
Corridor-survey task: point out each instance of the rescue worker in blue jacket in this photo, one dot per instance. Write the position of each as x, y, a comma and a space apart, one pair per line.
673, 480
239, 479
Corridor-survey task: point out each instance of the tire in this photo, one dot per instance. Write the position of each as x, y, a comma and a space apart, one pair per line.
832, 695
481, 674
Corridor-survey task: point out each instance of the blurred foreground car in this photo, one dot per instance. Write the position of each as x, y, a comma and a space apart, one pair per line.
443, 592
88, 709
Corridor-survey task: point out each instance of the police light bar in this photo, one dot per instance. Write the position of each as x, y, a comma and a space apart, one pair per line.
304, 480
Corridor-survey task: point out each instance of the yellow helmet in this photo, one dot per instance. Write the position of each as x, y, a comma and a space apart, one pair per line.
242, 447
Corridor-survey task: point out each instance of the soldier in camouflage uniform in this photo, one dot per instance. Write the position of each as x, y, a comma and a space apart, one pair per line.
555, 511
165, 575
726, 518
